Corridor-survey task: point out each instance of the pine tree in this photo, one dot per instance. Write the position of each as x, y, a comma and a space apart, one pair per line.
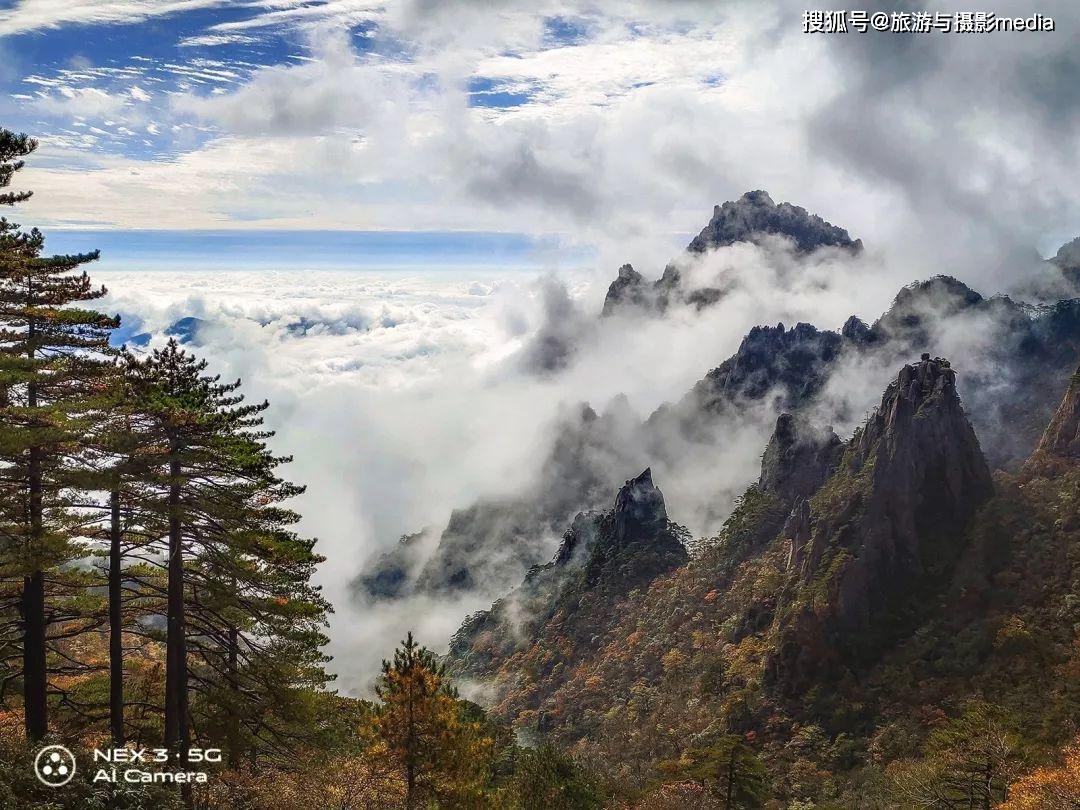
50, 368
731, 769
548, 779
122, 450
244, 622
969, 762
442, 755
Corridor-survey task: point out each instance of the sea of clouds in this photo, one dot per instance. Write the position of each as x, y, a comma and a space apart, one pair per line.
405, 395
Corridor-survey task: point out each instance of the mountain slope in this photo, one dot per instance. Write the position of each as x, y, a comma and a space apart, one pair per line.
904, 551
561, 607
884, 528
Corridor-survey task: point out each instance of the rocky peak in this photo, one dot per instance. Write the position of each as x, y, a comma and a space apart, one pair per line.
925, 301
755, 213
885, 527
639, 510
798, 459
1068, 260
921, 435
792, 361
1060, 444
856, 330
628, 290
607, 555
634, 541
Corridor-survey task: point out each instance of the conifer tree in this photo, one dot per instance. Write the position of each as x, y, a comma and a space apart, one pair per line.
122, 450
731, 769
548, 779
443, 756
50, 373
243, 620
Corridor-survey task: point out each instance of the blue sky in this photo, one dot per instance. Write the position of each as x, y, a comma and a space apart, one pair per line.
314, 250
153, 99
608, 128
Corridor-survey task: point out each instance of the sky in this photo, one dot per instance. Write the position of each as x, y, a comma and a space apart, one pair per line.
610, 127
378, 208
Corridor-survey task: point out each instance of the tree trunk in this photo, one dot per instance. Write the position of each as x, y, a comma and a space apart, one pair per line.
176, 693
234, 720
116, 627
730, 778
35, 679
410, 753
35, 683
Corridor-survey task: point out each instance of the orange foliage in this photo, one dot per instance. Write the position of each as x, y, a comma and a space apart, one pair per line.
1048, 788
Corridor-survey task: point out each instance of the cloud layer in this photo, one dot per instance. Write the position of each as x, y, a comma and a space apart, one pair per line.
612, 124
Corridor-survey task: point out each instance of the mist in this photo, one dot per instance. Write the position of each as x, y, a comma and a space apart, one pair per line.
403, 397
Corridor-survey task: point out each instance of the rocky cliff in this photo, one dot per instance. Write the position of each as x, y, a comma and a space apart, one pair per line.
798, 459
887, 525
1060, 444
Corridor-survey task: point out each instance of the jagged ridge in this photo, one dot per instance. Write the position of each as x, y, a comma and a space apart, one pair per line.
601, 559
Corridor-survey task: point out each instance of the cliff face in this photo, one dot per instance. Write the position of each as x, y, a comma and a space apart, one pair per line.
1060, 445
798, 459
886, 525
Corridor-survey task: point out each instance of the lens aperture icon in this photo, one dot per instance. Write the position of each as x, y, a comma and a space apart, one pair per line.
54, 765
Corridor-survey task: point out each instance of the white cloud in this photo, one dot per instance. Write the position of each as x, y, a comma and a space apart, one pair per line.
81, 102
31, 15
626, 135
404, 396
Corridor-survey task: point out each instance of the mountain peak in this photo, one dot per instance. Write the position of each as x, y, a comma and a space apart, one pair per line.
752, 215
628, 289
1060, 443
1068, 260
886, 525
1068, 255
640, 511
798, 459
755, 213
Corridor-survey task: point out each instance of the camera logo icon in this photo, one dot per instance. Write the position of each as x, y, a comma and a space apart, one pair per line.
54, 766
